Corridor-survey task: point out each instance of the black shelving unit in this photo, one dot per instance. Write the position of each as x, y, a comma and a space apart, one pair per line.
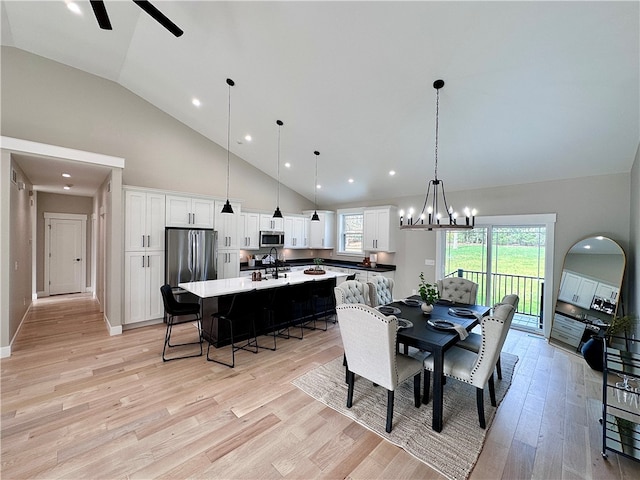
620, 405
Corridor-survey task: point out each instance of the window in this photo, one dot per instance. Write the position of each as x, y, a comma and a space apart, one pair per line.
351, 232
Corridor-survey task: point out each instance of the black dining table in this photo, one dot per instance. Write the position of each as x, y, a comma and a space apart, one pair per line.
437, 341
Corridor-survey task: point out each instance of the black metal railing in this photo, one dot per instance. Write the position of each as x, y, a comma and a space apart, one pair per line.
529, 289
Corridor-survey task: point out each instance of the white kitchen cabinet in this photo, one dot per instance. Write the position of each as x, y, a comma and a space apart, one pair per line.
380, 229
322, 233
608, 292
577, 290
228, 263
144, 221
267, 222
249, 231
567, 330
227, 226
143, 277
189, 212
296, 231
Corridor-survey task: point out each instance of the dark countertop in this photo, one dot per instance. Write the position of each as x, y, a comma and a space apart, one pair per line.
244, 266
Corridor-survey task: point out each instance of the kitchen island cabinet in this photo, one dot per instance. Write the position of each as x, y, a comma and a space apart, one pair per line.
222, 291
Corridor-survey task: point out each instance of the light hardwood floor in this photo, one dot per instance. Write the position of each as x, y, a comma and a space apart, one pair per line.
77, 403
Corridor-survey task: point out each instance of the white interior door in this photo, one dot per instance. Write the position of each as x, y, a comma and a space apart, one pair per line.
66, 256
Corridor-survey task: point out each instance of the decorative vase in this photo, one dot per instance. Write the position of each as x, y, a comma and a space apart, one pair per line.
592, 351
426, 308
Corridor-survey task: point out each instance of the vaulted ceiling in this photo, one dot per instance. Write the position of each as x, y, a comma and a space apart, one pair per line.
533, 91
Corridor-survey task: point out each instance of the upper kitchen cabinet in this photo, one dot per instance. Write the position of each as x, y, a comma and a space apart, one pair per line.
144, 220
228, 226
267, 222
322, 234
577, 290
189, 212
380, 229
249, 231
296, 231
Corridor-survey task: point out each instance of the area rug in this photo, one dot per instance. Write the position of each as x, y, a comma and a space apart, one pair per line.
452, 452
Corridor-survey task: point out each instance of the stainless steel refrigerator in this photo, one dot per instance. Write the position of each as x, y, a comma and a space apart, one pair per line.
190, 255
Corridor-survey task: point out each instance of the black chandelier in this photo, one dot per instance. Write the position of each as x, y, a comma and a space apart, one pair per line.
436, 212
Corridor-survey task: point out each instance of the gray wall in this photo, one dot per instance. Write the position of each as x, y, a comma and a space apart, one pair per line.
633, 253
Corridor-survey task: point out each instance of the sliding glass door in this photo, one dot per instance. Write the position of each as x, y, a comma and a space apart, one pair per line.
502, 259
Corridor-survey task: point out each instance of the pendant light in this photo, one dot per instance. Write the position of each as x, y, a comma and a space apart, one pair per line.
315, 217
278, 213
227, 206
435, 219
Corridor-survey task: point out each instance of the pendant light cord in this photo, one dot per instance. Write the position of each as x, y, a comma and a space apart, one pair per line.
278, 199
435, 174
228, 136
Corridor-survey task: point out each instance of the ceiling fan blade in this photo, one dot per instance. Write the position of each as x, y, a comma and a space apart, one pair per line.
100, 11
159, 17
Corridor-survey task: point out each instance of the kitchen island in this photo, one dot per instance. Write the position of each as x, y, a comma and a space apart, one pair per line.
217, 295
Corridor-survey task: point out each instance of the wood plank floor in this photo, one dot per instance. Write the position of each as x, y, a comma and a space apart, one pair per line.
77, 403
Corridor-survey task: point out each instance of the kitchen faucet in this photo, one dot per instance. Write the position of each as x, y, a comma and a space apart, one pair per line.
275, 257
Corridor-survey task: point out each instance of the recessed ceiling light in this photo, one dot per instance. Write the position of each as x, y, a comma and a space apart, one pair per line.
74, 8
392, 172
318, 186
67, 187
588, 247
351, 180
66, 175
288, 165
196, 102
247, 138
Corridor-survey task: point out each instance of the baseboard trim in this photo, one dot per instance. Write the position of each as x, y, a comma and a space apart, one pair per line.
6, 351
112, 329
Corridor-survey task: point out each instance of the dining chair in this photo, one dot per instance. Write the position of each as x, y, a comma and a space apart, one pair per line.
241, 310
175, 313
352, 291
349, 292
380, 290
457, 290
475, 368
369, 340
473, 342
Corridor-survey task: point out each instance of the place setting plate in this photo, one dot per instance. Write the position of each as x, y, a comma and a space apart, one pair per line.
388, 310
441, 324
410, 302
404, 323
462, 312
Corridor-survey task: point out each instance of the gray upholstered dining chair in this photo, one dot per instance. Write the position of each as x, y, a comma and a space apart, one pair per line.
369, 340
352, 291
473, 342
457, 290
475, 368
380, 290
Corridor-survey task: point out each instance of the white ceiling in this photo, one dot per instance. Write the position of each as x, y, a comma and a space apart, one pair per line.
534, 90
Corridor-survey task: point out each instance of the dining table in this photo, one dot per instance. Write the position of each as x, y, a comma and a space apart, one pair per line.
423, 336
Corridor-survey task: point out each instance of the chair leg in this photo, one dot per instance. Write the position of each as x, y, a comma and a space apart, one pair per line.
416, 390
350, 381
480, 402
492, 391
427, 384
499, 368
233, 350
167, 339
390, 398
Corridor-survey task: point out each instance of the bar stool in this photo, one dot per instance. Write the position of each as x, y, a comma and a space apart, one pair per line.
173, 312
272, 314
241, 309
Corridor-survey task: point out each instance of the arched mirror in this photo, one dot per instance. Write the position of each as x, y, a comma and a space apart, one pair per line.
589, 291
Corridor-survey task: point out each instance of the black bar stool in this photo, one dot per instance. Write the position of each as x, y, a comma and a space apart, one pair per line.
173, 312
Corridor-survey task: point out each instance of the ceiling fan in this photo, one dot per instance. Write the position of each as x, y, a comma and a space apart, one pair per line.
100, 11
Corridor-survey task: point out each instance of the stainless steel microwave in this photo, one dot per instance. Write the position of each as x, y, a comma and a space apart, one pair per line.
269, 238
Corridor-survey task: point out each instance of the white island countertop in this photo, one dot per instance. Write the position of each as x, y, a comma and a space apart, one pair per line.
230, 286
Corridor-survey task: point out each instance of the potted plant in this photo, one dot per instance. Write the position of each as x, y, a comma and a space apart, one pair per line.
318, 263
428, 294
